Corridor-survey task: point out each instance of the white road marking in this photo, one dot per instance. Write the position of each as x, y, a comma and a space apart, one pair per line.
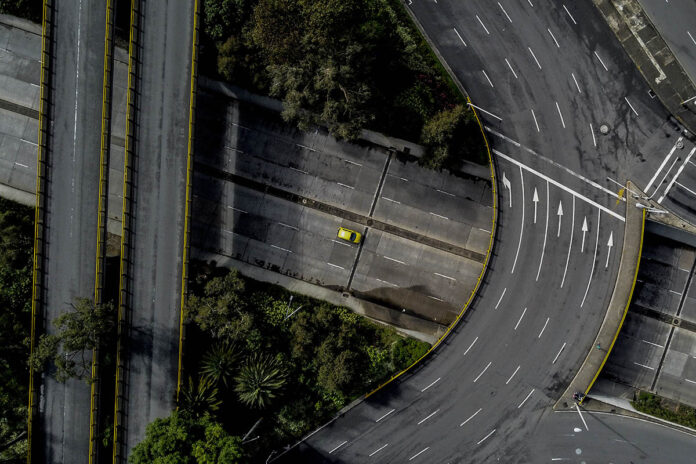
686, 188
558, 354
674, 179
385, 282
426, 418
435, 298
653, 344
352, 162
29, 142
460, 37
554, 38
525, 400
471, 417
21, 165
395, 260
662, 181
445, 193
571, 16
484, 370
519, 244
582, 418
501, 298
283, 249
690, 381
560, 114
377, 450
483, 25
510, 66
520, 319
330, 452
346, 186
570, 244
513, 374
385, 415
589, 281
632, 108
546, 229
560, 217
534, 56
487, 436
544, 328
610, 243
506, 15
600, 60
643, 365
487, 78
535, 120
568, 189
438, 215
664, 162
691, 37
506, 184
535, 200
530, 3
418, 453
340, 243
336, 265
487, 112
576, 83
238, 210
436, 381
299, 170
594, 139
393, 201
472, 344
288, 226
305, 147
444, 276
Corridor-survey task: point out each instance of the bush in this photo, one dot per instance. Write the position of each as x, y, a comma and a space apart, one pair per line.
664, 409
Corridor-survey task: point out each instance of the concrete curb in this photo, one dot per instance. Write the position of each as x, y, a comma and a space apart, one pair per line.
618, 305
653, 57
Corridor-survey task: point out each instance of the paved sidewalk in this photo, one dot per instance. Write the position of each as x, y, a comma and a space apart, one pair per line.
618, 306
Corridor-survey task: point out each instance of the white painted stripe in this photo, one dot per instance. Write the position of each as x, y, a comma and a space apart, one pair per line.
378, 450
484, 370
559, 353
571, 16
589, 281
472, 344
525, 400
460, 37
487, 112
387, 283
600, 60
393, 201
483, 25
506, 15
439, 215
632, 108
560, 114
340, 242
418, 453
594, 139
513, 374
445, 193
29, 142
553, 37
428, 417
330, 452
352, 162
336, 265
688, 190
534, 56
471, 417
299, 170
238, 210
544, 328
510, 66
520, 319
691, 37
435, 298
664, 162
487, 78
288, 226
486, 437
21, 165
395, 260
385, 415
643, 365
570, 244
546, 229
653, 344
305, 147
690, 381
674, 179
444, 276
501, 298
519, 244
563, 187
283, 249
436, 381
576, 83
535, 120
346, 186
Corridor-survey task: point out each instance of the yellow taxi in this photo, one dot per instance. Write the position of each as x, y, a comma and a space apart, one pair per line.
349, 235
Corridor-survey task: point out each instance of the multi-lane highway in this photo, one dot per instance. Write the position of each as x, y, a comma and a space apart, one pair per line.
551, 80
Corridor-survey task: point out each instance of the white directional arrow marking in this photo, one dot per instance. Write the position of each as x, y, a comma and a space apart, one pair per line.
535, 199
560, 216
506, 184
610, 244
584, 231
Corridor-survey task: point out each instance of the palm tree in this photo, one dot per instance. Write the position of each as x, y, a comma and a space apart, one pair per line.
219, 362
199, 399
259, 380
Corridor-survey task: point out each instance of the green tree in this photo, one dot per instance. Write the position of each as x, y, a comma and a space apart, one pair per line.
184, 439
219, 362
78, 332
260, 380
199, 398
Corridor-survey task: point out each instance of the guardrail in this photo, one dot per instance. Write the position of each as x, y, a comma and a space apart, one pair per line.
39, 211
189, 181
125, 227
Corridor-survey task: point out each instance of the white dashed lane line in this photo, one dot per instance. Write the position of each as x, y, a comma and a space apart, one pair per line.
472, 344
534, 56
569, 15
600, 60
505, 12
483, 371
559, 353
385, 415
510, 66
378, 450
471, 417
428, 416
458, 35
513, 374
483, 25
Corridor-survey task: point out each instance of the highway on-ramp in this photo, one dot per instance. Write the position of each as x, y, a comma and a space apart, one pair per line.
551, 79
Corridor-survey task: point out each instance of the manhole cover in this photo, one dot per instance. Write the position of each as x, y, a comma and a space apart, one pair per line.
604, 129
680, 144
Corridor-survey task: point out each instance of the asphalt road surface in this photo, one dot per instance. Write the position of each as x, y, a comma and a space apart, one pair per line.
158, 212
552, 274
71, 209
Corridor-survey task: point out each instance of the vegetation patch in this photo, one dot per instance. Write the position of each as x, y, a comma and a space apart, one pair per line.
27, 9
663, 408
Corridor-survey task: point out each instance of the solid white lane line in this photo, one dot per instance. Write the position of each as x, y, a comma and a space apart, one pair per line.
471, 417
534, 56
439, 215
558, 354
346, 186
336, 265
418, 453
510, 66
653, 344
594, 139
691, 37
460, 37
486, 437
570, 244
501, 298
570, 15
330, 452
387, 283
483, 25
554, 38
686, 188
299, 170
560, 114
288, 226
484, 370
535, 120
674, 179
546, 229
393, 201
378, 450
520, 319
576, 83
385, 415
544, 328
506, 15
487, 112
436, 381
600, 60
589, 281
487, 78
568, 189
470, 346
444, 276
282, 249
525, 400
519, 245
643, 365
513, 374
425, 419
395, 260
664, 162
632, 108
